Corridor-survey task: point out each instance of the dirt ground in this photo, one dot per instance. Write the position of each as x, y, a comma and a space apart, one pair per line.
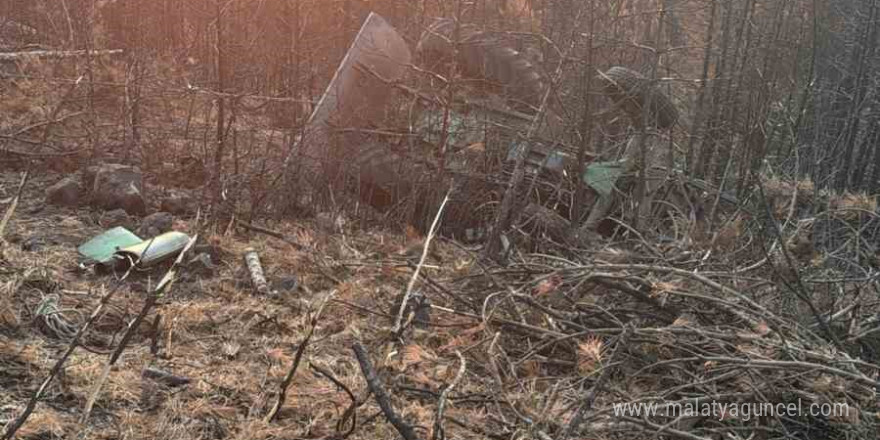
234, 344
526, 347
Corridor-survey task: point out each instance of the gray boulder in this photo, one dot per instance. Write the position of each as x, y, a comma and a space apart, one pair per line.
88, 176
201, 264
118, 186
116, 217
155, 224
65, 193
178, 202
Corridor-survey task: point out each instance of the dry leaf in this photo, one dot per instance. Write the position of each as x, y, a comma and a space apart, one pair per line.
548, 285
762, 328
412, 234
277, 355
413, 354
681, 321
224, 412
589, 355
822, 384
455, 342
531, 369
462, 264
850, 414
421, 378
476, 147
475, 329
464, 337
441, 373
660, 287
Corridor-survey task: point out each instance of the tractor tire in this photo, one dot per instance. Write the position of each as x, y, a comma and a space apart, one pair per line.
632, 90
483, 56
435, 44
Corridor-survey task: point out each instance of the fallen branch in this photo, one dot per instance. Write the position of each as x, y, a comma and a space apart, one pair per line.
375, 385
56, 54
11, 209
415, 276
746, 302
288, 378
316, 262
439, 434
587, 403
350, 412
164, 377
269, 232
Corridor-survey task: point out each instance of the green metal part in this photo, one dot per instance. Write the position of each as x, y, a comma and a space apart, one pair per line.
100, 249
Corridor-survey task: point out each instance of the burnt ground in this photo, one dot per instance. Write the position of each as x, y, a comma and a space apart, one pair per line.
234, 344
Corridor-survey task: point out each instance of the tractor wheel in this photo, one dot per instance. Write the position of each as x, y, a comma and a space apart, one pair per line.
484, 56
632, 90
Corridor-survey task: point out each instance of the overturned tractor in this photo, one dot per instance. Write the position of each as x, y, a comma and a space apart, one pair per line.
468, 143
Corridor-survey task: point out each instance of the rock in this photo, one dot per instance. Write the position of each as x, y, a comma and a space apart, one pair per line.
114, 218
418, 304
213, 251
193, 173
155, 224
65, 193
231, 349
88, 176
33, 244
13, 237
201, 264
119, 186
285, 284
164, 378
329, 222
178, 202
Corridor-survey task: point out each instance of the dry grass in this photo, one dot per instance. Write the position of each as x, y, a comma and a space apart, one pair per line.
235, 344
852, 206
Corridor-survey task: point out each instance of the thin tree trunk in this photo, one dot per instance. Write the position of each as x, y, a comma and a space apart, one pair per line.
710, 139
693, 168
221, 103
861, 56
732, 98
874, 181
586, 126
867, 152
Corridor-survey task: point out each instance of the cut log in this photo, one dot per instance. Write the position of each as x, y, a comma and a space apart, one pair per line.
8, 57
255, 269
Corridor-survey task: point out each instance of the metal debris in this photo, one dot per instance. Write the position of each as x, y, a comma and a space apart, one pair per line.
356, 96
121, 245
100, 249
155, 250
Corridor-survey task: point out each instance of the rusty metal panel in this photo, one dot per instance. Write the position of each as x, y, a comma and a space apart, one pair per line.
355, 98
